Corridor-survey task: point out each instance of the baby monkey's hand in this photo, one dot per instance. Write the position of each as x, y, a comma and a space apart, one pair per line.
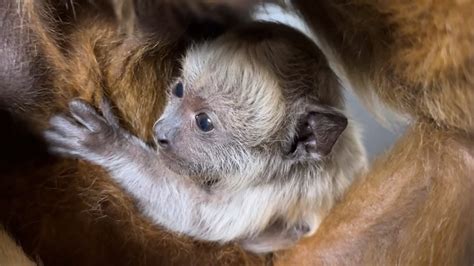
86, 134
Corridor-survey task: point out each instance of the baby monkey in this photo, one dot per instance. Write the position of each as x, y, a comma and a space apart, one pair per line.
252, 145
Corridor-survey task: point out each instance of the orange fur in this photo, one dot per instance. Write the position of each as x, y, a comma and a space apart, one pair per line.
68, 212
415, 206
416, 56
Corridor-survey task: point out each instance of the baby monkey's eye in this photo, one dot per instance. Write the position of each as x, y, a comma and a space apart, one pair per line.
203, 122
178, 90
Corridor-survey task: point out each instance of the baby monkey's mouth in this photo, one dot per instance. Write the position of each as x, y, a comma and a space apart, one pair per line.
168, 159
173, 162
183, 167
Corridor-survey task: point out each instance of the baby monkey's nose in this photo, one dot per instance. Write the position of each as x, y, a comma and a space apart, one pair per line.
162, 134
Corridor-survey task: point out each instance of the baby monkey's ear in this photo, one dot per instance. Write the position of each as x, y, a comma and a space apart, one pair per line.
318, 131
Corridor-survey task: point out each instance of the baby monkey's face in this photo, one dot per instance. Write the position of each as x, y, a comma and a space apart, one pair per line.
194, 136
208, 131
229, 115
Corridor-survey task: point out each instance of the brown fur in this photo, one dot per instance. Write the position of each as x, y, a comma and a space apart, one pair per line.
68, 212
416, 56
415, 207
10, 253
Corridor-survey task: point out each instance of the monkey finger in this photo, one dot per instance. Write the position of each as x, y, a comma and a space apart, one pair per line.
70, 147
107, 112
52, 136
64, 151
86, 115
66, 126
56, 140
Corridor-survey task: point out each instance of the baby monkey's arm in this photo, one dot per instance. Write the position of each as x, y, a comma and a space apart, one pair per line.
170, 200
173, 201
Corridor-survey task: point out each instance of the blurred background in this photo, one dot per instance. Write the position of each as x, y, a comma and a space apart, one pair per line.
376, 138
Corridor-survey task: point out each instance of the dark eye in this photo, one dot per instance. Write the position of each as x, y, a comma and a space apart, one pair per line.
178, 90
204, 123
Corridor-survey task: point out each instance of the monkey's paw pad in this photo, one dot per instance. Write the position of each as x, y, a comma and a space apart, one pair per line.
84, 132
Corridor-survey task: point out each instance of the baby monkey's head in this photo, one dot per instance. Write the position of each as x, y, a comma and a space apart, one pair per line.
258, 98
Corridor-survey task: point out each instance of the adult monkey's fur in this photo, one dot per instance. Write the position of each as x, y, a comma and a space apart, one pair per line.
414, 207
66, 212
11, 253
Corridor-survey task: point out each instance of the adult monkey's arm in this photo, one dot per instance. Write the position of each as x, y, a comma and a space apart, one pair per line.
416, 56
415, 206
